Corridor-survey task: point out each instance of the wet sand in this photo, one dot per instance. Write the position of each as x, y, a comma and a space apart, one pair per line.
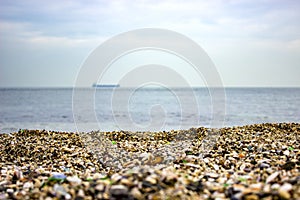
251, 162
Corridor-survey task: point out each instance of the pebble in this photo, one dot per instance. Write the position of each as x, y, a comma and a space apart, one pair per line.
57, 175
212, 175
272, 177
192, 165
74, 179
248, 162
9, 190
157, 160
144, 156
116, 177
28, 185
216, 167
286, 152
251, 197
284, 194
99, 176
61, 191
275, 186
286, 187
126, 182
151, 180
3, 182
264, 165
3, 196
118, 190
99, 187
80, 193
136, 193
256, 186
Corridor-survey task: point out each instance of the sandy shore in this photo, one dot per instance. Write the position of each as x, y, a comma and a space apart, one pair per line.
251, 162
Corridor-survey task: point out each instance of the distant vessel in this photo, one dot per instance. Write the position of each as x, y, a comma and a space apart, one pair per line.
106, 85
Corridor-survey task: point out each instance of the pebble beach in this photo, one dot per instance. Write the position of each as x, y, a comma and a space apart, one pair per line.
260, 161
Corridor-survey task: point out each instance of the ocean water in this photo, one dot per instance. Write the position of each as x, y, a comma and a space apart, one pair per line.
143, 109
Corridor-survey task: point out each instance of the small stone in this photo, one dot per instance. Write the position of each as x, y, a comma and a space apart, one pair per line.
57, 175
286, 152
251, 197
61, 190
246, 169
230, 182
242, 167
272, 177
100, 187
81, 193
144, 156
126, 181
9, 190
28, 185
216, 167
284, 194
226, 164
275, 186
157, 160
289, 165
37, 183
99, 176
68, 196
151, 180
116, 177
3, 196
212, 175
267, 188
237, 196
129, 164
18, 174
264, 165
239, 188
192, 165
119, 191
286, 187
256, 186
136, 193
3, 183
74, 180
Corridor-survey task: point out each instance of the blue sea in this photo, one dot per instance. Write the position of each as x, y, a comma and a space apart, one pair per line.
152, 109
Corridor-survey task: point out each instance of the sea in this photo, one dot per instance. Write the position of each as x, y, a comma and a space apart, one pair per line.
143, 109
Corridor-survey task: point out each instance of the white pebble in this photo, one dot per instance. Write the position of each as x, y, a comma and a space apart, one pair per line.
74, 179
286, 187
275, 186
286, 152
272, 177
28, 185
9, 190
216, 167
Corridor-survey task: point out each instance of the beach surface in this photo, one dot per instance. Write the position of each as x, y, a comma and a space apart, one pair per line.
260, 161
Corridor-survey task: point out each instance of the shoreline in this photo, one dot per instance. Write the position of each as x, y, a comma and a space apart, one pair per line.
244, 162
62, 127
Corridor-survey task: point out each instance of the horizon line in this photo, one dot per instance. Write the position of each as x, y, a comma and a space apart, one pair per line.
129, 87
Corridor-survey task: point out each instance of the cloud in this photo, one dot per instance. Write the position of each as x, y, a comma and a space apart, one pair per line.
229, 30
106, 18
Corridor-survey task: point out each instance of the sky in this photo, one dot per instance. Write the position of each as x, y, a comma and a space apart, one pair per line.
251, 43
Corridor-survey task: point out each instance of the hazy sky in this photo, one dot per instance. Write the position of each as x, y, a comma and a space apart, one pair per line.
252, 43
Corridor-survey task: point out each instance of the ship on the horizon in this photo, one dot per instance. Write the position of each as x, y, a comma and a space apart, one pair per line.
106, 85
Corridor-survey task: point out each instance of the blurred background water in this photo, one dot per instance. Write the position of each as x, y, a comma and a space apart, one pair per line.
52, 108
